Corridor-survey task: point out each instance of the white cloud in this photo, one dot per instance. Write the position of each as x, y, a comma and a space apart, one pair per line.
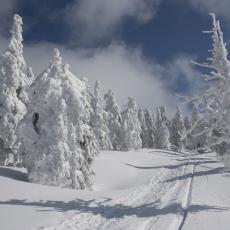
99, 18
183, 76
220, 7
125, 71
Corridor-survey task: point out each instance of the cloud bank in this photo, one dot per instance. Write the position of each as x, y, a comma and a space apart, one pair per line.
126, 71
117, 67
96, 19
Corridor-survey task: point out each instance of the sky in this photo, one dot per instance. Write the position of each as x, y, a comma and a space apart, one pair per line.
137, 48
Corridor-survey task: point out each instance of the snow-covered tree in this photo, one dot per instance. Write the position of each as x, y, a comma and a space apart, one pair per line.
214, 102
59, 144
99, 120
162, 134
114, 119
144, 129
130, 128
141, 116
165, 117
188, 126
149, 138
15, 78
199, 138
187, 123
177, 130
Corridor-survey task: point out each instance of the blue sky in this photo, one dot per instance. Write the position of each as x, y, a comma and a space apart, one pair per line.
140, 48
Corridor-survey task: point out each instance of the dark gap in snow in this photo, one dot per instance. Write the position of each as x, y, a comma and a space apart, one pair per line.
18, 91
35, 120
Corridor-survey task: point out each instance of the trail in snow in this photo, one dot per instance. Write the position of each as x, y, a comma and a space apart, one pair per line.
209, 206
178, 200
145, 190
188, 200
147, 207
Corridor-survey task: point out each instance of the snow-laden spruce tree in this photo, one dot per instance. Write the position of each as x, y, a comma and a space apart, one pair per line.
144, 130
59, 144
178, 130
149, 137
15, 79
187, 123
131, 127
188, 126
198, 138
214, 102
99, 120
114, 120
165, 117
162, 134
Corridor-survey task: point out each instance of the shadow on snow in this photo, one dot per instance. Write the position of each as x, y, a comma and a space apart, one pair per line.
174, 166
109, 211
13, 174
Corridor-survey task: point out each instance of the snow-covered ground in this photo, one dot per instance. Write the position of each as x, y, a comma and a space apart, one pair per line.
146, 189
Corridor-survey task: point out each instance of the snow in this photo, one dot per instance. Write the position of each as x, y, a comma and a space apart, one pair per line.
210, 203
145, 189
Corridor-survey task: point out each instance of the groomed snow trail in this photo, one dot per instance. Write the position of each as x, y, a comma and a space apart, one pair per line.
143, 190
162, 203
176, 202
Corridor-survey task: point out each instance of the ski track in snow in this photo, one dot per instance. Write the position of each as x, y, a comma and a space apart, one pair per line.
146, 208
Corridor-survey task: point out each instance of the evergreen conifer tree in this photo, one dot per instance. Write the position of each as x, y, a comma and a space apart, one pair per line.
59, 143
131, 128
15, 79
99, 120
162, 133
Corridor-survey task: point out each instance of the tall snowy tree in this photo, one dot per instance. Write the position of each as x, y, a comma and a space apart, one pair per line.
188, 126
144, 130
187, 123
165, 117
114, 119
162, 134
131, 127
59, 144
214, 102
15, 79
99, 120
177, 131
149, 138
199, 138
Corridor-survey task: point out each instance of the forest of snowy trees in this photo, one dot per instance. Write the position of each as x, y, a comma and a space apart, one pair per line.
54, 125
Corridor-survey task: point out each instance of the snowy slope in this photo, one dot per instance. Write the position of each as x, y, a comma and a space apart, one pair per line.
147, 189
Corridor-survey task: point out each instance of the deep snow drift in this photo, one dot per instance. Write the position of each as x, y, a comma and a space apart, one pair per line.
146, 189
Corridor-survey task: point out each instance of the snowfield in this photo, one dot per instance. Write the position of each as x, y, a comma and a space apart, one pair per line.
144, 190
